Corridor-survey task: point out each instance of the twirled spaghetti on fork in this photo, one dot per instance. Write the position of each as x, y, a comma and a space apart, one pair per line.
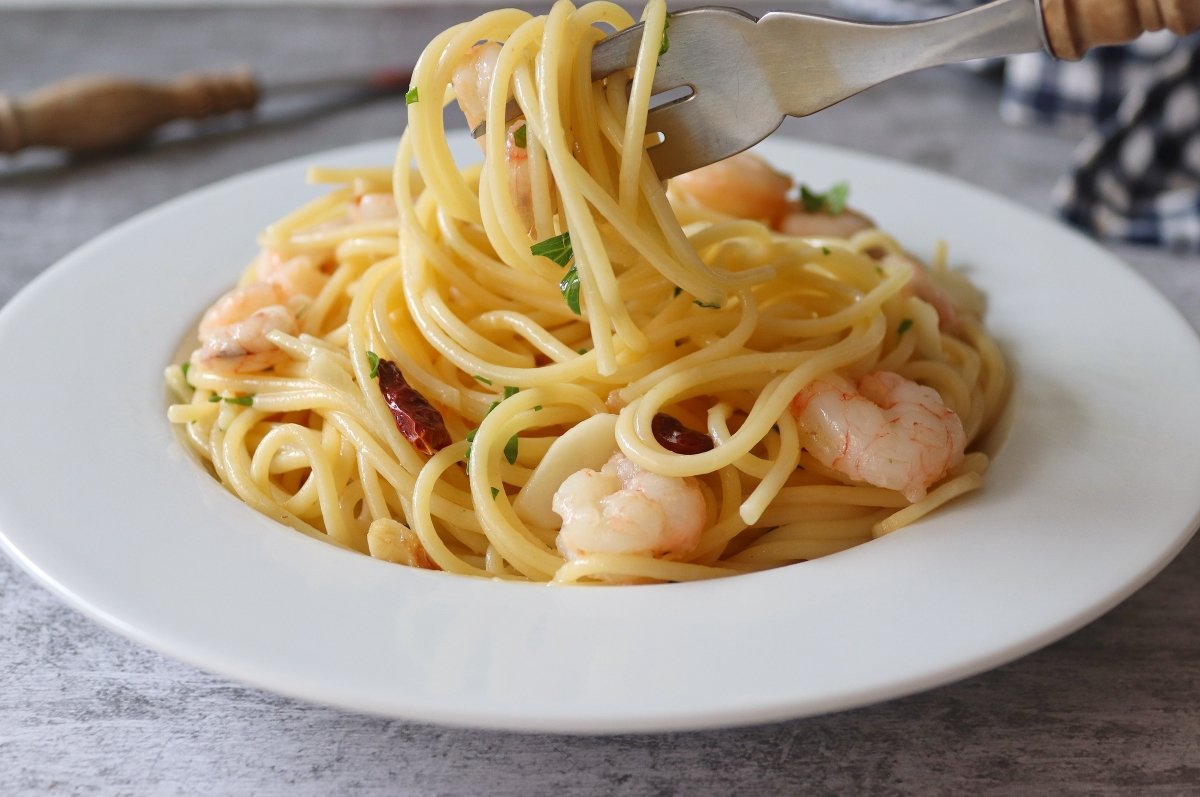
553, 367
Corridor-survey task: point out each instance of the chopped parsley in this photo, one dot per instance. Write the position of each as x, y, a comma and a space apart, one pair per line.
244, 401
569, 285
184, 367
373, 361
537, 408
495, 492
510, 448
481, 378
520, 136
825, 250
699, 303
582, 352
904, 326
832, 201
557, 249
678, 291
411, 96
666, 43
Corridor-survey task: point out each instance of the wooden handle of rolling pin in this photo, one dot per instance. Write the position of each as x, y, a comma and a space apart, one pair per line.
1075, 26
99, 112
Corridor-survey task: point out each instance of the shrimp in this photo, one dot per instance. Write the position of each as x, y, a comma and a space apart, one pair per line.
296, 276
472, 82
743, 186
233, 332
746, 187
887, 431
923, 286
804, 223
624, 509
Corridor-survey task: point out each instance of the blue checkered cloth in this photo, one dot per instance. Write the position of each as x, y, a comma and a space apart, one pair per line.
1136, 175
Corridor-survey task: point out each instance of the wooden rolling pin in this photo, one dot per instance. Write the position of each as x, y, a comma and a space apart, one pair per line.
93, 113
86, 114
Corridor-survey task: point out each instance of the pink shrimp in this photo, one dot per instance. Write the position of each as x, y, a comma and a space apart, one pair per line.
233, 332
803, 223
472, 83
624, 509
746, 187
923, 286
887, 431
743, 186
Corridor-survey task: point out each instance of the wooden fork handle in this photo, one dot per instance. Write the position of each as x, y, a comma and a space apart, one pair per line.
100, 112
1075, 26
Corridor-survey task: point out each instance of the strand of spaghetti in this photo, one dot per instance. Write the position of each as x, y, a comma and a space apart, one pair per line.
314, 316
940, 495
366, 249
689, 271
425, 136
803, 515
375, 176
488, 281
375, 503
458, 331
717, 424
967, 360
321, 488
725, 346
776, 554
451, 504
624, 565
421, 518
836, 494
502, 221
633, 154
945, 379
729, 525
512, 538
634, 422
232, 463
303, 348
528, 330
784, 461
278, 234
597, 283
849, 528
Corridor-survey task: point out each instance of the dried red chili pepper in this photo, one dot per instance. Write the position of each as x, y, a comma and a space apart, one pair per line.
417, 420
677, 438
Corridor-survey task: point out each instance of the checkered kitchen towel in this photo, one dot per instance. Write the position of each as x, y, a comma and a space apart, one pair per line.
1136, 175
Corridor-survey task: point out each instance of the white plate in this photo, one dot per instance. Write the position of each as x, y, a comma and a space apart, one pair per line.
1093, 493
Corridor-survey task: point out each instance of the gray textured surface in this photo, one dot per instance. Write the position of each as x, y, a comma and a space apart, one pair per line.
1111, 709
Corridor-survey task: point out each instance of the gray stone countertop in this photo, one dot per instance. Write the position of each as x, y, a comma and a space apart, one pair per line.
1111, 709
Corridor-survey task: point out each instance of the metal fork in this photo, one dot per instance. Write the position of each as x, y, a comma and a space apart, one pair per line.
746, 74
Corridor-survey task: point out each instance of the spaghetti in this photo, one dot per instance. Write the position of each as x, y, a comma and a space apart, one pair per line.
551, 367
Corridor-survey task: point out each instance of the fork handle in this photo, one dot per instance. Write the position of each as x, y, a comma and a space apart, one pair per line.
1075, 26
